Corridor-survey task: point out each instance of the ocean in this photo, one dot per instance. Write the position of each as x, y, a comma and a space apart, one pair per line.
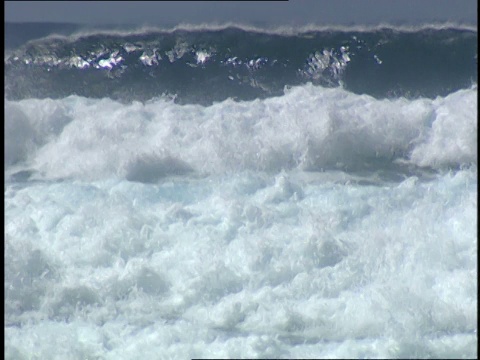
237, 192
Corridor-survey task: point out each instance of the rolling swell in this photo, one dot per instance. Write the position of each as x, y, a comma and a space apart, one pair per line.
206, 66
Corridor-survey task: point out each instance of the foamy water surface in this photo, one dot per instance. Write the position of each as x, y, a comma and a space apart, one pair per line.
317, 224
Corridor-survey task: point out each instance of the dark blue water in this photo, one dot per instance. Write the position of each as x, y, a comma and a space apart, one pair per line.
205, 66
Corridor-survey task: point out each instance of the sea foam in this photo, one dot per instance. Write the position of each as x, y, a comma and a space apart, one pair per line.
253, 264
308, 128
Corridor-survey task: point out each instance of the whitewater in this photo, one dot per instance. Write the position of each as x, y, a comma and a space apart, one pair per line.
327, 216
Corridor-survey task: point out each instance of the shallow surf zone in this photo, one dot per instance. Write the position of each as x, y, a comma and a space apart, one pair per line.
250, 265
316, 224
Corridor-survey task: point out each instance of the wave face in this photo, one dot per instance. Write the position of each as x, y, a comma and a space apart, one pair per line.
205, 66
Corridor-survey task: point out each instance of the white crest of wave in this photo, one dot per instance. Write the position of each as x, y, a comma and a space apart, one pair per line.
283, 30
309, 128
453, 134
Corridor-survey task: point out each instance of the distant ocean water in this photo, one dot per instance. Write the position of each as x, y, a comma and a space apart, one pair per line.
226, 191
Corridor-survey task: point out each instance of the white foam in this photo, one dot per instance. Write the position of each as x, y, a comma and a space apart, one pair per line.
309, 128
30, 124
247, 265
452, 139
